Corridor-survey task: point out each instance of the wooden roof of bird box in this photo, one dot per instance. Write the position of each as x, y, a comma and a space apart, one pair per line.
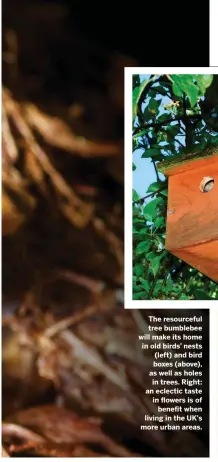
192, 212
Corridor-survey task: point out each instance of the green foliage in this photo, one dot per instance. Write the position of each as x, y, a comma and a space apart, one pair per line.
137, 93
184, 84
172, 115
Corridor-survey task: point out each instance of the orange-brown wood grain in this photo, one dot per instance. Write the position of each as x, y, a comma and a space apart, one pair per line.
191, 164
192, 215
203, 257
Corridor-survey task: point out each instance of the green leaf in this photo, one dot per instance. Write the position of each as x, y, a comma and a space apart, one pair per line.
154, 186
135, 196
144, 232
135, 210
145, 284
155, 265
137, 287
151, 255
139, 296
184, 297
152, 93
133, 167
173, 129
204, 81
163, 117
137, 220
162, 136
147, 114
177, 90
189, 112
169, 285
137, 92
164, 192
151, 152
143, 247
185, 84
159, 287
135, 145
139, 270
159, 221
139, 225
140, 134
192, 93
201, 294
154, 105
150, 209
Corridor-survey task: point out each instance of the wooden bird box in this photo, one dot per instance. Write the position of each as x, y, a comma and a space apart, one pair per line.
192, 212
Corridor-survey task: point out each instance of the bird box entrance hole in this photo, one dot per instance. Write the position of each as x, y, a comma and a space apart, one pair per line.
192, 212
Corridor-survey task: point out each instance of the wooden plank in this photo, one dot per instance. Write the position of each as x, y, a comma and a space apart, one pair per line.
203, 257
192, 216
179, 164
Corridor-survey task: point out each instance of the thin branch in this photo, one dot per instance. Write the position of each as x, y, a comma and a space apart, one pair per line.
188, 128
95, 286
17, 431
138, 201
155, 168
179, 142
92, 357
169, 78
165, 122
140, 321
71, 320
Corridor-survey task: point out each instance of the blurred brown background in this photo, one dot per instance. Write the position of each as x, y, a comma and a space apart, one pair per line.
69, 347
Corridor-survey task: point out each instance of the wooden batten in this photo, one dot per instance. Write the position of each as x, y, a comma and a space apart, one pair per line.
178, 164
